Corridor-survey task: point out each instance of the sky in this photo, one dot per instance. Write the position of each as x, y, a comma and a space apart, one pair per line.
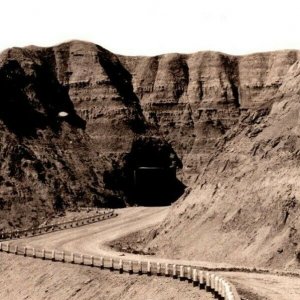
150, 27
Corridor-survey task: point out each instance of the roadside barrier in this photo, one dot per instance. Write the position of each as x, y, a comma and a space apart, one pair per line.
106, 214
211, 282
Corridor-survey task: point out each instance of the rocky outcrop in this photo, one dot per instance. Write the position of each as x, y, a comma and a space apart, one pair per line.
184, 105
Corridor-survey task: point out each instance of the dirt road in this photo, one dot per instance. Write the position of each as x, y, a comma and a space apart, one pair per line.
92, 239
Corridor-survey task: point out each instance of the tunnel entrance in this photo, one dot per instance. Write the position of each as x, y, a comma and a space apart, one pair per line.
155, 186
153, 164
147, 174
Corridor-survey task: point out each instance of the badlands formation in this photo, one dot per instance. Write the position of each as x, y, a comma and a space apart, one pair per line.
218, 134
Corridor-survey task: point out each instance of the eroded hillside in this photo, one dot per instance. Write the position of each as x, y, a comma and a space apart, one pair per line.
80, 125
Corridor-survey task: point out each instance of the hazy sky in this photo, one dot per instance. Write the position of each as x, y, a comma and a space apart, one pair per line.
150, 27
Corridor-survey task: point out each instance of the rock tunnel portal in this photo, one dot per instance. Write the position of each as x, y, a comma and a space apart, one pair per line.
153, 165
155, 185
147, 175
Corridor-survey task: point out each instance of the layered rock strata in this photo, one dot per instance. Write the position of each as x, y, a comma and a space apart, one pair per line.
110, 103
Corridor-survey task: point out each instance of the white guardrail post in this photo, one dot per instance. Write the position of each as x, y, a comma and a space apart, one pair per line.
140, 270
181, 273
120, 266
130, 267
201, 280
72, 261
207, 282
92, 261
174, 271
158, 269
111, 264
195, 277
189, 274
101, 263
149, 268
167, 274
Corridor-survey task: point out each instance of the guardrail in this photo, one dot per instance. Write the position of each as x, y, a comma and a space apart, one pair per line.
209, 281
59, 226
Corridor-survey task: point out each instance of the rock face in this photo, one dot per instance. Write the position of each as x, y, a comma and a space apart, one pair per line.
77, 123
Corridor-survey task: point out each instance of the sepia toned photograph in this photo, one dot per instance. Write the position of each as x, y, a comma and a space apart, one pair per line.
150, 150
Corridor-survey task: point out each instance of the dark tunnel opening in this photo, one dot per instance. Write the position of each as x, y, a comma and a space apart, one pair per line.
152, 165
156, 186
147, 175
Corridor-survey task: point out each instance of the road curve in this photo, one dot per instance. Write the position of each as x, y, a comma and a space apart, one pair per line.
92, 240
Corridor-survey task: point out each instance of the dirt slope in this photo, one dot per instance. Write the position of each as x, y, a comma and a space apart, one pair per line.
244, 206
24, 278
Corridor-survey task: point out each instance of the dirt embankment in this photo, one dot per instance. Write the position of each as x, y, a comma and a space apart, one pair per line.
244, 207
27, 278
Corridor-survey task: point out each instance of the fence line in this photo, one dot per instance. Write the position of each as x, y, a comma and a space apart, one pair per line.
59, 226
216, 284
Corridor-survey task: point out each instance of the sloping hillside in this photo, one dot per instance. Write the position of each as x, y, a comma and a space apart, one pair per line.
80, 125
244, 206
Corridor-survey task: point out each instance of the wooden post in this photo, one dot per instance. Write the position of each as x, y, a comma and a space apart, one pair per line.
92, 260
33, 253
43, 254
167, 270
0, 246
158, 269
217, 286
101, 262
222, 292
195, 277
111, 263
72, 258
207, 282
149, 268
63, 256
140, 270
53, 255
201, 280
16, 249
212, 283
130, 267
181, 273
174, 271
226, 289
121, 266
81, 259
230, 292
25, 251
189, 274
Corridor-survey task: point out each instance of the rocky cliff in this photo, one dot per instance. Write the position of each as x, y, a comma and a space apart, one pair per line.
78, 122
